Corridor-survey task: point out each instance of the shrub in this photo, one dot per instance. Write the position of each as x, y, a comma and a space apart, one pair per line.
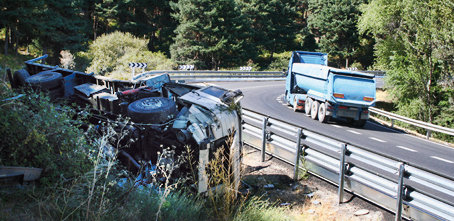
37, 134
113, 53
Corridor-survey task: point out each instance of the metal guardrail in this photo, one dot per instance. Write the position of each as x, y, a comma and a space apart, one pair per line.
428, 126
389, 182
215, 74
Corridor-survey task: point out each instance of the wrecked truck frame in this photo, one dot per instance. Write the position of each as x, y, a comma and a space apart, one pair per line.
165, 114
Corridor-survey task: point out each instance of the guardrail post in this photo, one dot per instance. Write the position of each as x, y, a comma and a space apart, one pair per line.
400, 188
392, 123
265, 122
342, 173
297, 154
429, 133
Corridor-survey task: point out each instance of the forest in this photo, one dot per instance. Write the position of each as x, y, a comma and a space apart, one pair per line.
412, 40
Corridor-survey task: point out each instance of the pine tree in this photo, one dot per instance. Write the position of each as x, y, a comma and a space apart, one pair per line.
211, 34
275, 24
334, 22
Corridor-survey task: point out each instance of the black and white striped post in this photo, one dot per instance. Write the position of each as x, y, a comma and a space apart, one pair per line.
137, 65
186, 67
245, 68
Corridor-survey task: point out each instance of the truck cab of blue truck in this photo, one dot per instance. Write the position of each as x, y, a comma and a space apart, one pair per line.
325, 92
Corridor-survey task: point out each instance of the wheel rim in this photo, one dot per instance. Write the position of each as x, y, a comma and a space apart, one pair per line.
314, 111
322, 113
294, 105
151, 103
308, 106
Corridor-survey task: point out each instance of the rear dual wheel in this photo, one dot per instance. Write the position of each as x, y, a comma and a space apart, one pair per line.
308, 106
318, 111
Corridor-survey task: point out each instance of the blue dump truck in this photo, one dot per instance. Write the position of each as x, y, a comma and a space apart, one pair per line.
326, 92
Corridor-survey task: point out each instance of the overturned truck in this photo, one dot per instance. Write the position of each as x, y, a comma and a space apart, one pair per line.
165, 115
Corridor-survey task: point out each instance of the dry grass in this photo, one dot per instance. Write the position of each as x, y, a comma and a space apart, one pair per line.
383, 96
304, 199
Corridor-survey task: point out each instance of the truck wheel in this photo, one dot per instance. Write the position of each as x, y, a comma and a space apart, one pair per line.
308, 106
45, 80
19, 77
360, 123
322, 117
295, 105
314, 110
350, 121
152, 110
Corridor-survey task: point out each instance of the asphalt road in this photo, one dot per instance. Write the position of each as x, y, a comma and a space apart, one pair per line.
267, 97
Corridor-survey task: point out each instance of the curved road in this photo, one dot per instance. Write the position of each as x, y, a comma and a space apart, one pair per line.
267, 97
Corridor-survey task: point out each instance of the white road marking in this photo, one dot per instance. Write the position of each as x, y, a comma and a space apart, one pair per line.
438, 158
406, 148
352, 131
334, 125
373, 138
422, 139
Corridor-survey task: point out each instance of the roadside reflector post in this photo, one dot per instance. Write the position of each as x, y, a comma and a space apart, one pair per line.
400, 188
297, 154
342, 173
429, 133
265, 122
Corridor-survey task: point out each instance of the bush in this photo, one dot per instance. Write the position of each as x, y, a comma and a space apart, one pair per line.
37, 134
113, 53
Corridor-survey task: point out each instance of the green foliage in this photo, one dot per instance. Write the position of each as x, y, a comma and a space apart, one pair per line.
335, 23
275, 25
210, 34
414, 45
112, 53
36, 134
280, 61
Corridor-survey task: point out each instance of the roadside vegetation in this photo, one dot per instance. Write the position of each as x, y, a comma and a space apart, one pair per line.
82, 178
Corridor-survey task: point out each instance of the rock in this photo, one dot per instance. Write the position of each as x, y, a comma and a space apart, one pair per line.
268, 186
308, 195
297, 187
361, 212
311, 211
316, 202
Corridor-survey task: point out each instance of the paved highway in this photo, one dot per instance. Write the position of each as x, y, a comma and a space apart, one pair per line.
268, 98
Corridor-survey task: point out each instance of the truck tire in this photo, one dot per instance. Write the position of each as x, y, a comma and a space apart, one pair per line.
45, 80
19, 77
152, 110
295, 105
360, 123
308, 106
322, 117
314, 109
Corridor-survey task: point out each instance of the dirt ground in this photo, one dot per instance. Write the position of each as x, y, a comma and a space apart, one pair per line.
308, 199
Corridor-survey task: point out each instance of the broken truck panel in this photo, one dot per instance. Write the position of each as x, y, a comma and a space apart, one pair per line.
167, 116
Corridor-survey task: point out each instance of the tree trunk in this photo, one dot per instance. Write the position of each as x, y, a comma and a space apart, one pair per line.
6, 40
95, 27
272, 53
44, 51
16, 48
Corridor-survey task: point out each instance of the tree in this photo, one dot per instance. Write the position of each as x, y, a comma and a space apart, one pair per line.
58, 26
210, 34
415, 46
275, 24
334, 22
16, 18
